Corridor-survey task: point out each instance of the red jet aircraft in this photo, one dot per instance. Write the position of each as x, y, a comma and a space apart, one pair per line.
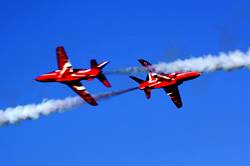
169, 82
72, 77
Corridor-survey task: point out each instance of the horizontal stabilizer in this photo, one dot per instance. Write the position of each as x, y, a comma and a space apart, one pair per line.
101, 77
137, 79
94, 64
147, 93
103, 64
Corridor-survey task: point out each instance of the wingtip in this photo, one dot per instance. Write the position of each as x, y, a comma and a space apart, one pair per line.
107, 62
59, 47
179, 106
106, 83
103, 64
144, 63
94, 104
108, 86
141, 60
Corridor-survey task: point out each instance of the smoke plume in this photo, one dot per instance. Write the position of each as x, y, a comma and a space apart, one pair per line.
208, 63
34, 111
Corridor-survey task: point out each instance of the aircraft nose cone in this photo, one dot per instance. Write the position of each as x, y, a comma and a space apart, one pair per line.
198, 74
38, 79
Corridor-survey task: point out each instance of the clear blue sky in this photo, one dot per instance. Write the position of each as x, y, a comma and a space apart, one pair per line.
211, 129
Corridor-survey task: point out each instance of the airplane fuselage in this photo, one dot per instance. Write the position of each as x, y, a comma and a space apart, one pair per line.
158, 80
67, 76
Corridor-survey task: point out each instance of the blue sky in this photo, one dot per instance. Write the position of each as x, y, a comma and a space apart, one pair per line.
211, 129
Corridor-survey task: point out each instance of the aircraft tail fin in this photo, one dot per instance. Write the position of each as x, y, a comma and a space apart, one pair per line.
93, 63
101, 77
147, 91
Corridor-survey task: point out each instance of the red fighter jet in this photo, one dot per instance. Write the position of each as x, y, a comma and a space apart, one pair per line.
72, 77
169, 82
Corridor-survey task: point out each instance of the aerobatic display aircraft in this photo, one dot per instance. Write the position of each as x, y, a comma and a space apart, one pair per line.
169, 82
72, 77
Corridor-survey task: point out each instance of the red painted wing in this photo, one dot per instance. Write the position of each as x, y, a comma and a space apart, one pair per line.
174, 94
82, 92
62, 59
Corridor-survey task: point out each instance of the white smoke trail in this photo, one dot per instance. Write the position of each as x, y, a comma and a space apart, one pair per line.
208, 63
34, 111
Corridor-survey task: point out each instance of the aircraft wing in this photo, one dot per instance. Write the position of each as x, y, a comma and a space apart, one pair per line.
82, 92
62, 59
174, 94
